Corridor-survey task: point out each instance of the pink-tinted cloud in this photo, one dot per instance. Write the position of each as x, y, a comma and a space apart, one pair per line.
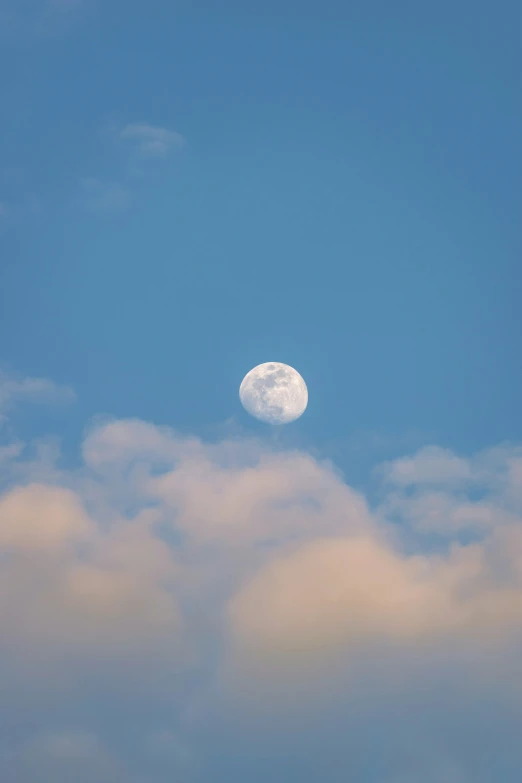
258, 574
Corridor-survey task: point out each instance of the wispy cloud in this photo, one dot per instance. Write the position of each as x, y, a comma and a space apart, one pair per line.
101, 196
115, 194
152, 140
15, 388
431, 465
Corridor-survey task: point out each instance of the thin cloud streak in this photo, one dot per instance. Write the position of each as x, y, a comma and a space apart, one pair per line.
101, 196
151, 140
15, 388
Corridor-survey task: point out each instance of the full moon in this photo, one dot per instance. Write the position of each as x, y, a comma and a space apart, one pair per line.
274, 393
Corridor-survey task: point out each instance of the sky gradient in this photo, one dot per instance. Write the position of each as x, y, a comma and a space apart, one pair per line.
191, 189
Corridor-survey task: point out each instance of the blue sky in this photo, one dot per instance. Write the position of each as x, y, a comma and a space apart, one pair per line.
190, 189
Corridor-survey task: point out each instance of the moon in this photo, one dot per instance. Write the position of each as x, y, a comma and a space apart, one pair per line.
274, 393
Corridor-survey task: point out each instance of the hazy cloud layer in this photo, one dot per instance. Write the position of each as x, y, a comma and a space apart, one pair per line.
202, 595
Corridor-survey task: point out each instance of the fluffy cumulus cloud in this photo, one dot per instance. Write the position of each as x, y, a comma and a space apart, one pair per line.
179, 610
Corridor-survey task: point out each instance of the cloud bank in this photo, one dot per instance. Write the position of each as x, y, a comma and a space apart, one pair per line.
175, 609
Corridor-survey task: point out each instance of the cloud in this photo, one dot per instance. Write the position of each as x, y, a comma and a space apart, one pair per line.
197, 584
115, 195
439, 493
151, 140
101, 196
431, 465
119, 442
76, 588
445, 514
15, 389
325, 572
59, 518
351, 593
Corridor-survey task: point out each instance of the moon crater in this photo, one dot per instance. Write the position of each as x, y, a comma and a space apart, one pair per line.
274, 393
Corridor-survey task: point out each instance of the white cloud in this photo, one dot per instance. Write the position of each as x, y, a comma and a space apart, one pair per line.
121, 441
347, 595
445, 513
431, 465
15, 389
152, 140
437, 492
